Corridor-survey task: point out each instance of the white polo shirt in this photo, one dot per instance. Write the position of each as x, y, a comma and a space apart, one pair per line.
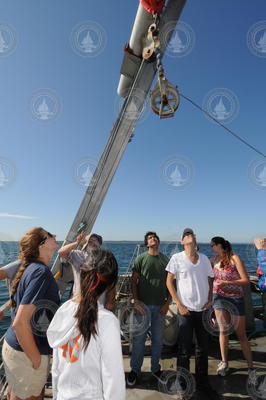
192, 285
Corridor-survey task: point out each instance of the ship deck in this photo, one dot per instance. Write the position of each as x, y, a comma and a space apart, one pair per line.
231, 387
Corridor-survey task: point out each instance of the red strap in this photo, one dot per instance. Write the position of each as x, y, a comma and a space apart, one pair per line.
153, 6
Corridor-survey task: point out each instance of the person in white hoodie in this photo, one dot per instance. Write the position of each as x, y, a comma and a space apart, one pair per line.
85, 337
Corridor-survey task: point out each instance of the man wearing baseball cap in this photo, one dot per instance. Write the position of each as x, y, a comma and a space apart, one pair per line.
193, 274
76, 257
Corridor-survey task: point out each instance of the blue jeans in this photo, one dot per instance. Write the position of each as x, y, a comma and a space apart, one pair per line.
155, 323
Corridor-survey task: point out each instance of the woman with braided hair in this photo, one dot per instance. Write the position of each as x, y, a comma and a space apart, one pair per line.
228, 299
85, 337
26, 350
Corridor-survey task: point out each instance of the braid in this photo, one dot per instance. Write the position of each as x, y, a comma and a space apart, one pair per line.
99, 271
29, 253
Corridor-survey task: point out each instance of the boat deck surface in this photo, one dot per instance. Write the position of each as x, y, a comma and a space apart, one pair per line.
231, 387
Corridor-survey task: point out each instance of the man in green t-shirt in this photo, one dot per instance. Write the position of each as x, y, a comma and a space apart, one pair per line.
151, 300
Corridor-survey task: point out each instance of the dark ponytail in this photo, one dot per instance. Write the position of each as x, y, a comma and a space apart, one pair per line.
99, 271
227, 248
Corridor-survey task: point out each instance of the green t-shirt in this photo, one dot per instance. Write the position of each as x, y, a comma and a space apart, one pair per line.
152, 282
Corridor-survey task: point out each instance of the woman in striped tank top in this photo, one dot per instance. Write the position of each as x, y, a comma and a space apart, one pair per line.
228, 299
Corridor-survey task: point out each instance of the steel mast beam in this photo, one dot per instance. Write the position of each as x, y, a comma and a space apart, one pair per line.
116, 144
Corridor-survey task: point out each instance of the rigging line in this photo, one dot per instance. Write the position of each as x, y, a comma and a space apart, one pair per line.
223, 126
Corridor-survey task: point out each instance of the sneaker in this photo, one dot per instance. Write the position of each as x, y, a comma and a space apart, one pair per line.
132, 378
222, 368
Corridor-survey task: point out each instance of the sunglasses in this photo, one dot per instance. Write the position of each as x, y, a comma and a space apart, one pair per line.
45, 238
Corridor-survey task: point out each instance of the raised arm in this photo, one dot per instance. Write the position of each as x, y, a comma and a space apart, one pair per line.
65, 250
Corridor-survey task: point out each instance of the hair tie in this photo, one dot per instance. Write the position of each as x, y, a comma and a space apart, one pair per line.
100, 278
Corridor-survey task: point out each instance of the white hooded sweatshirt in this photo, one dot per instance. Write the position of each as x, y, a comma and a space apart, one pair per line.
94, 374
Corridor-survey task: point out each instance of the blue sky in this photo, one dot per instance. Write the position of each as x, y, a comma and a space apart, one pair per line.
226, 195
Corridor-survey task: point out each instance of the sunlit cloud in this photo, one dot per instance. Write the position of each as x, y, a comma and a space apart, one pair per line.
7, 215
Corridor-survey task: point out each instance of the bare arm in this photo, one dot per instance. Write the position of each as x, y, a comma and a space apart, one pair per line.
65, 250
171, 287
244, 279
24, 333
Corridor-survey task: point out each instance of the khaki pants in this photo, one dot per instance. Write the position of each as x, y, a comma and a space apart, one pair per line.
24, 380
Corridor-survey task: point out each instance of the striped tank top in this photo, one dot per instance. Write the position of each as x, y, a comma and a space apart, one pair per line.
229, 273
